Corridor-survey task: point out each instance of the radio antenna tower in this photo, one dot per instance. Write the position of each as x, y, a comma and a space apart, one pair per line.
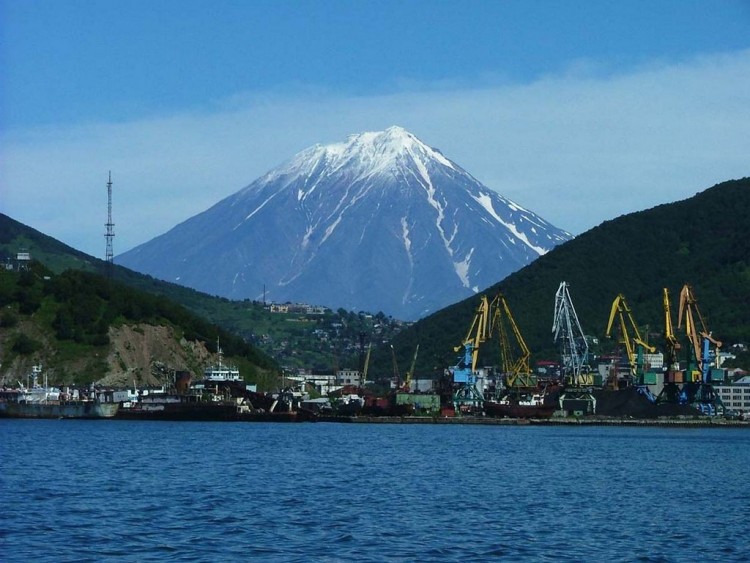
110, 234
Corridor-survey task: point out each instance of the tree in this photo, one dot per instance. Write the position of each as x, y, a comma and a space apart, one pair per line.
24, 345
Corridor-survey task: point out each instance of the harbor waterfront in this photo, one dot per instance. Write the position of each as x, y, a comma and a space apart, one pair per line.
692, 422
124, 490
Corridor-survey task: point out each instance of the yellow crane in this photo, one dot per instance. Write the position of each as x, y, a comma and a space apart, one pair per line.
672, 344
700, 338
630, 337
695, 387
410, 373
670, 393
367, 364
464, 373
478, 333
515, 358
396, 375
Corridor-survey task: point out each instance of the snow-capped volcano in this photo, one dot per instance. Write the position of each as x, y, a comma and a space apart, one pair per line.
380, 222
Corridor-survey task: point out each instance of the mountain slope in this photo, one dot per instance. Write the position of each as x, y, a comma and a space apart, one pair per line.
16, 237
704, 241
84, 327
293, 339
379, 222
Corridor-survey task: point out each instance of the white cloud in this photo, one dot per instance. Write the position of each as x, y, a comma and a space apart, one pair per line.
577, 148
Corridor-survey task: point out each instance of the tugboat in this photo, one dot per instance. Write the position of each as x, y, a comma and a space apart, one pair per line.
219, 373
220, 396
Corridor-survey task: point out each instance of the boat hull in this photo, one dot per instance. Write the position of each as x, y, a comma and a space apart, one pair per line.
207, 412
69, 409
515, 410
179, 411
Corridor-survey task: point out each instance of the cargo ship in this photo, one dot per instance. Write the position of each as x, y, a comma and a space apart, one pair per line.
220, 395
173, 407
529, 406
192, 408
39, 401
12, 407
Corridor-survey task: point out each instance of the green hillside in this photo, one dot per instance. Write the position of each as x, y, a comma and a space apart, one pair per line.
16, 237
703, 241
65, 321
295, 339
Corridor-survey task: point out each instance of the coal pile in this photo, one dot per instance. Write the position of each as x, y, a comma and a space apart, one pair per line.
629, 403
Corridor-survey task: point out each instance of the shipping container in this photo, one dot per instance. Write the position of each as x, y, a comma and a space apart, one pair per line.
717, 375
422, 402
649, 378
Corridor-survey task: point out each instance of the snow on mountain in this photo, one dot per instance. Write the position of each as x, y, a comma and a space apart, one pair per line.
379, 222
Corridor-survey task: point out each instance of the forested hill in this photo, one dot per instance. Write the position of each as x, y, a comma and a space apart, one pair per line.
67, 322
57, 256
319, 341
703, 241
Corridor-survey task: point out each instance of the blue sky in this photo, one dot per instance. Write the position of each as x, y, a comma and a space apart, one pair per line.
579, 111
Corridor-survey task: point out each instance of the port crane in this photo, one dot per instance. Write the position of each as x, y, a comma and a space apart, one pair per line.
672, 344
464, 374
568, 334
670, 393
630, 336
410, 374
704, 351
367, 364
514, 353
699, 337
577, 396
396, 374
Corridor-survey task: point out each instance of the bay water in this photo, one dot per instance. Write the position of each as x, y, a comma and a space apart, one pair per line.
75, 490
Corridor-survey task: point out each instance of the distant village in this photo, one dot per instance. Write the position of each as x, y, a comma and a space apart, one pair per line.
324, 337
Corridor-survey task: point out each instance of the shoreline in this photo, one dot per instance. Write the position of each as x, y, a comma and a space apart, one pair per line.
672, 422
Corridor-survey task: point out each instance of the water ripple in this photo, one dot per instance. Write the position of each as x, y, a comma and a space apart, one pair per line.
141, 491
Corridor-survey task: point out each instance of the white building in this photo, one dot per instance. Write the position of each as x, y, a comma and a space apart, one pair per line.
655, 362
349, 377
735, 396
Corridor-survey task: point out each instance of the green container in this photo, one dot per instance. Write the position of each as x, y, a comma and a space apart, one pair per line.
649, 378
421, 402
717, 375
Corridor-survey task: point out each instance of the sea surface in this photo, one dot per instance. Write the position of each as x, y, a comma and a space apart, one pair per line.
162, 491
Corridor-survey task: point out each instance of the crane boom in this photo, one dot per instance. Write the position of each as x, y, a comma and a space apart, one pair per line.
515, 359
478, 332
570, 337
367, 364
396, 375
693, 387
410, 373
464, 373
700, 338
621, 311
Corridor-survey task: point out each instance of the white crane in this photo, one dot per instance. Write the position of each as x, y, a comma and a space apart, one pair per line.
569, 336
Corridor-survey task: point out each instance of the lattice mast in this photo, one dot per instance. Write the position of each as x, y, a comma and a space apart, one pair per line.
110, 232
569, 336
